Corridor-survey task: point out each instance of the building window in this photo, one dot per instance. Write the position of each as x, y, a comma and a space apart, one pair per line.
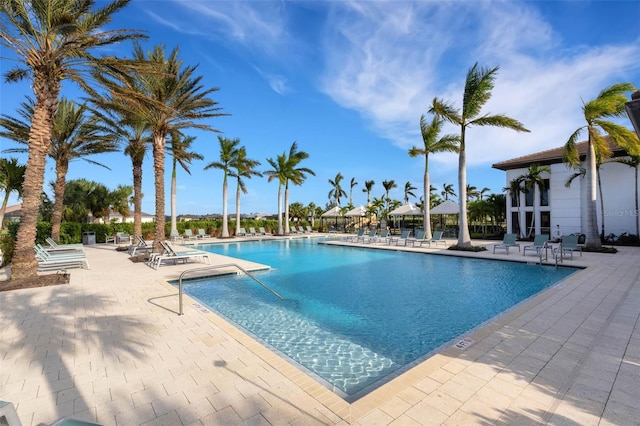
515, 225
545, 223
544, 193
514, 199
528, 197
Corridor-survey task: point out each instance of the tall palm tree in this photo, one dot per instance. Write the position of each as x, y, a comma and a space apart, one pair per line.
408, 191
181, 155
477, 91
118, 201
533, 179
633, 161
472, 192
388, 185
311, 207
336, 189
11, 180
279, 172
228, 153
432, 143
243, 168
296, 175
74, 136
169, 97
448, 191
352, 184
368, 186
52, 45
134, 134
608, 104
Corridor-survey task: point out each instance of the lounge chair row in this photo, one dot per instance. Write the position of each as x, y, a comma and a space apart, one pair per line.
404, 238
60, 257
252, 232
567, 245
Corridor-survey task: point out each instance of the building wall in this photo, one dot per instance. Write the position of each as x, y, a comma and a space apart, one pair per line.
567, 205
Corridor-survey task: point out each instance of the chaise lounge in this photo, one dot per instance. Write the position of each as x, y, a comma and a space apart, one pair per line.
508, 241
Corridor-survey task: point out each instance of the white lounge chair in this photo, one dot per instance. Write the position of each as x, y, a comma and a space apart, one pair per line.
177, 256
49, 261
539, 243
569, 244
202, 234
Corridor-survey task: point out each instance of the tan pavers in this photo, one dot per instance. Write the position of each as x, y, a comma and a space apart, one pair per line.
111, 348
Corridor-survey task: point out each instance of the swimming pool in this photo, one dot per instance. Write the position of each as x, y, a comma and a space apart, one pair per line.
354, 316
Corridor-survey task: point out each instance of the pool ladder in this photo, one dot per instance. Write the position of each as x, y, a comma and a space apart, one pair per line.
557, 256
226, 265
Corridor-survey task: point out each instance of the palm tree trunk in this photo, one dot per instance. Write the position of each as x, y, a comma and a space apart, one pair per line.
137, 199
601, 204
6, 200
592, 238
174, 227
24, 264
238, 209
158, 170
464, 239
286, 208
58, 190
427, 202
280, 209
225, 221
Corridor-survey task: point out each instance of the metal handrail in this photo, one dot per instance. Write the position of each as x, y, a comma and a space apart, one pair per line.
226, 265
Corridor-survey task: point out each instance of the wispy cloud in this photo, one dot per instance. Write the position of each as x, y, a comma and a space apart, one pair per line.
388, 61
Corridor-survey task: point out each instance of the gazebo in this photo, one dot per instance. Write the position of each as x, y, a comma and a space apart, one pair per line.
334, 212
445, 208
358, 212
408, 209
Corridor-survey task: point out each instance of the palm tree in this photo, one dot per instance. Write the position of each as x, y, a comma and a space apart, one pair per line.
52, 45
351, 185
515, 188
279, 172
477, 91
336, 189
228, 154
243, 168
532, 179
472, 192
311, 207
432, 143
134, 133
118, 201
388, 185
632, 161
11, 179
368, 186
74, 136
480, 192
295, 175
181, 155
169, 98
608, 104
448, 191
408, 191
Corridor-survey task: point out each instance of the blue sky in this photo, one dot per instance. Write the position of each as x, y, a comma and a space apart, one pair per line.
349, 80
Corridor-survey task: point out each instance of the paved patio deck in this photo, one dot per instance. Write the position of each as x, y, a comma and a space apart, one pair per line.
110, 348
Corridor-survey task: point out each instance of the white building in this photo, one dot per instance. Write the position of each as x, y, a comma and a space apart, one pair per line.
566, 206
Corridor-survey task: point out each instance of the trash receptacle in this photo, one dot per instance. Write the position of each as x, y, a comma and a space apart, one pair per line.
88, 238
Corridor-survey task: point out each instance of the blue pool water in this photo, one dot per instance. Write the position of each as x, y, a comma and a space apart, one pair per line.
353, 316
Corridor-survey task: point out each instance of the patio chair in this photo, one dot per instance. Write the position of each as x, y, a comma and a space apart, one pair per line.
262, 231
569, 244
141, 246
252, 231
242, 233
53, 246
301, 230
123, 237
177, 256
436, 239
356, 237
508, 241
189, 234
202, 234
174, 235
309, 229
108, 238
539, 243
404, 235
365, 238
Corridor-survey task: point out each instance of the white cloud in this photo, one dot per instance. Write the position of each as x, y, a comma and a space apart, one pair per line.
388, 60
